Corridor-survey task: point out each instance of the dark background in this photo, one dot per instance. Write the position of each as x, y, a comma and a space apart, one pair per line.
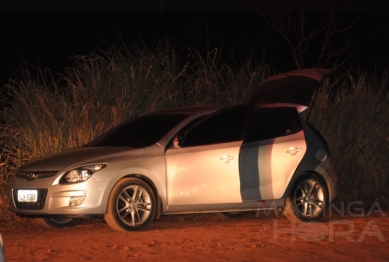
50, 39
193, 5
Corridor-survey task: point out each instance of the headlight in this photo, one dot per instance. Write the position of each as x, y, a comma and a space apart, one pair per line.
81, 174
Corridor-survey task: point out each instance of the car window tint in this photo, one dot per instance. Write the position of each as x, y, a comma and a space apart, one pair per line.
267, 123
139, 132
224, 126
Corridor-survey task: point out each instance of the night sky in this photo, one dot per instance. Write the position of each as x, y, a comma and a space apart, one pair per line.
51, 39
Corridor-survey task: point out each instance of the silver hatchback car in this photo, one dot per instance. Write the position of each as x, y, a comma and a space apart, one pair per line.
257, 156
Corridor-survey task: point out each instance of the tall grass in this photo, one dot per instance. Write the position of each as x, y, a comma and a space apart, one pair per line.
45, 114
353, 116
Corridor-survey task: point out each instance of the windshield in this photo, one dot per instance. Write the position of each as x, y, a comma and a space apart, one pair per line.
139, 132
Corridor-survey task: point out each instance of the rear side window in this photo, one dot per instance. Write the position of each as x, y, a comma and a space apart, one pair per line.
224, 126
268, 123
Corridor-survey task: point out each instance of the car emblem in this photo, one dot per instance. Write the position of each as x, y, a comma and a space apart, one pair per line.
31, 176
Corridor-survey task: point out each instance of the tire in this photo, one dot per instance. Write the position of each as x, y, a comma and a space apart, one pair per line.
233, 215
131, 205
54, 222
307, 200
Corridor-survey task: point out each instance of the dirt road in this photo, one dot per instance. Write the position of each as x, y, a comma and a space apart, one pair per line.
210, 237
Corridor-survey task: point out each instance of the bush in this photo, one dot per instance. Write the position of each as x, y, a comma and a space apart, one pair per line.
353, 116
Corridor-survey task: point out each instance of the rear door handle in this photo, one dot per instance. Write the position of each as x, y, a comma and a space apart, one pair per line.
293, 150
226, 158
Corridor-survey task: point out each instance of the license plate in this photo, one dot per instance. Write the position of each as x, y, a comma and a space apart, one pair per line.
27, 195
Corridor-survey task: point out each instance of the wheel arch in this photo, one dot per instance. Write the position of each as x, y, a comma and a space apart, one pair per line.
296, 178
153, 187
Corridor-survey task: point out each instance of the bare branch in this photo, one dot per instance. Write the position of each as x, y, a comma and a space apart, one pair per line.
304, 36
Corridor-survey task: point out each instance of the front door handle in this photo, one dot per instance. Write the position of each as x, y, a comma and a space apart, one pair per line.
226, 158
293, 150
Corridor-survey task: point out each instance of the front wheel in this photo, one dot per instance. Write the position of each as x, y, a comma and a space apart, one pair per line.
54, 222
307, 200
131, 205
233, 215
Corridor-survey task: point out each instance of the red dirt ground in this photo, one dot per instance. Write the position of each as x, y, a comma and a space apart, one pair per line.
208, 237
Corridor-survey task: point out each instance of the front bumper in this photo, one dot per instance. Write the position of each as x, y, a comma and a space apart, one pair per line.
54, 198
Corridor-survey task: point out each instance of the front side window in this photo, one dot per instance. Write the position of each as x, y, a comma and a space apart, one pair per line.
139, 132
224, 126
268, 123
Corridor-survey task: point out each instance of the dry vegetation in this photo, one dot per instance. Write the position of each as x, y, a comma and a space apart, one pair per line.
43, 114
353, 116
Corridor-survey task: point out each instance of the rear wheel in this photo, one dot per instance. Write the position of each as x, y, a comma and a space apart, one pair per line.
307, 200
131, 205
54, 222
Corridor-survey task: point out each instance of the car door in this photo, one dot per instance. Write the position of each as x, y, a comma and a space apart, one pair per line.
205, 170
273, 147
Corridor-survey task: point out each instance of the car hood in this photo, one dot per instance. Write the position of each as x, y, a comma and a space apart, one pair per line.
295, 87
78, 157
